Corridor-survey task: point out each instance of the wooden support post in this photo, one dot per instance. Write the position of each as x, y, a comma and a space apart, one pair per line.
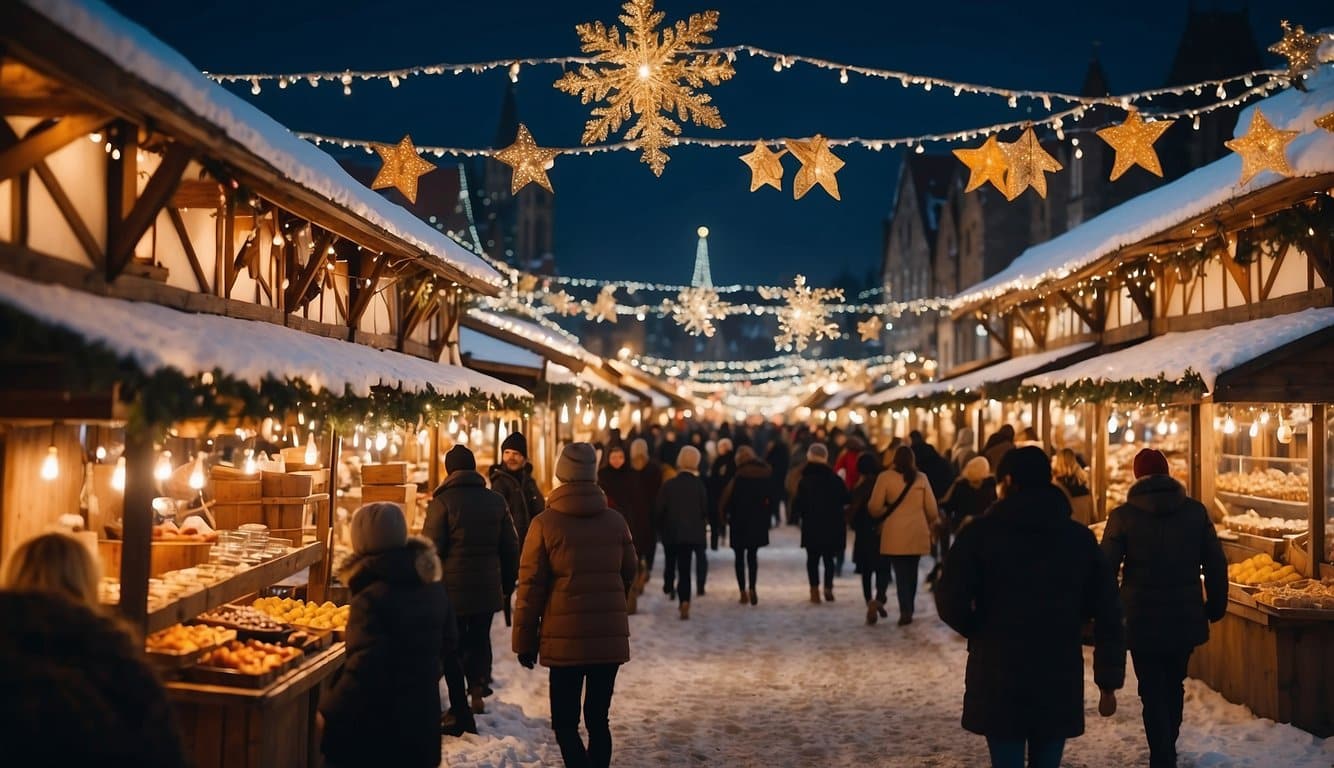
137, 547
433, 465
1319, 435
1097, 431
317, 587
1205, 446
1042, 419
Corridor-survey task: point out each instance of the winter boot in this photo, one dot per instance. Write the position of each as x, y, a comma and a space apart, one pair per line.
880, 609
669, 591
905, 619
478, 703
452, 724
641, 578
872, 612
829, 595
745, 598
815, 595
685, 611
754, 598
632, 602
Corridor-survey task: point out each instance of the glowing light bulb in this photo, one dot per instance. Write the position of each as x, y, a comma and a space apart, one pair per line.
197, 474
380, 441
1254, 431
51, 464
1129, 435
277, 239
118, 475
463, 438
356, 438
162, 470
1070, 419
636, 417
101, 453
1172, 428
644, 71
565, 414
1284, 433
301, 418
422, 437
453, 426
250, 467
312, 453
1229, 426
615, 422
602, 419
1113, 423
588, 416
1162, 428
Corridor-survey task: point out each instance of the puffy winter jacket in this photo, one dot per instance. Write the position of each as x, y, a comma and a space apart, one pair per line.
474, 535
908, 529
819, 502
522, 496
747, 504
682, 510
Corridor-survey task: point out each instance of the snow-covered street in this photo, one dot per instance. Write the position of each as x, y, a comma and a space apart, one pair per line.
790, 683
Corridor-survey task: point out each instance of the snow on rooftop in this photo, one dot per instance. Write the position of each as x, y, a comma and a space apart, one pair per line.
559, 374
156, 337
1209, 352
1197, 192
153, 61
973, 380
483, 347
565, 345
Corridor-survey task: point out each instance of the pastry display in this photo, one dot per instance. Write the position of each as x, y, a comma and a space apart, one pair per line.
1304, 594
304, 614
251, 657
1256, 524
1270, 483
187, 639
244, 618
1261, 569
169, 532
1120, 463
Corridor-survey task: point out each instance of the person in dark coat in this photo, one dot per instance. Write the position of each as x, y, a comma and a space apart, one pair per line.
820, 499
720, 474
747, 504
931, 463
479, 549
682, 514
1020, 583
1000, 443
866, 538
778, 457
1165, 539
570, 611
513, 479
650, 475
624, 492
971, 494
667, 450
383, 707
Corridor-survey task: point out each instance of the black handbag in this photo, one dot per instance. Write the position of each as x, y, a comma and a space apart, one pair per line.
880, 521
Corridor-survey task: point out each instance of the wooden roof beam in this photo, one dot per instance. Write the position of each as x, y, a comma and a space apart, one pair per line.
35, 147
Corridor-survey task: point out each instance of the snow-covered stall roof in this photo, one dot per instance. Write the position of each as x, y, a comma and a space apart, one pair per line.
483, 347
156, 337
1209, 352
141, 54
1198, 192
545, 337
559, 374
973, 380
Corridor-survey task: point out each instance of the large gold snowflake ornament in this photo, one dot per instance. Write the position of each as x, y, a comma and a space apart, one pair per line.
648, 76
604, 308
695, 310
805, 316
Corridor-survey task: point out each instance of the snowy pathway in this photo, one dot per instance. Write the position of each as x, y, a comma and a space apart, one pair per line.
789, 683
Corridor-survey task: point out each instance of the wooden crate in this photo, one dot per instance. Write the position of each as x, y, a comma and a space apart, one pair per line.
393, 473
229, 516
405, 495
287, 484
166, 556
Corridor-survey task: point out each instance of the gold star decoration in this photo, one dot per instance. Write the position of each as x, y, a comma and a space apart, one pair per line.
1133, 141
870, 328
402, 166
527, 283
1028, 162
1326, 122
765, 166
818, 166
1262, 148
1297, 47
604, 308
529, 161
648, 77
562, 303
985, 163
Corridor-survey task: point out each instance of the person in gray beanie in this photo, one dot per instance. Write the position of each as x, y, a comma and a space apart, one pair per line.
479, 549
390, 681
577, 567
512, 478
682, 512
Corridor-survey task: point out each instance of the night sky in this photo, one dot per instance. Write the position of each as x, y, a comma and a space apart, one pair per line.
614, 219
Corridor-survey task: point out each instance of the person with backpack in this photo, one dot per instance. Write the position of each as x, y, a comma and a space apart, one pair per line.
1165, 540
904, 508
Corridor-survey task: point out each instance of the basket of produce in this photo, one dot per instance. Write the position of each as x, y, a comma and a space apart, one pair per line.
249, 623
306, 615
1260, 570
251, 664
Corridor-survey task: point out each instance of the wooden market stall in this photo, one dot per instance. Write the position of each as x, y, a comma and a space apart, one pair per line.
1210, 305
190, 289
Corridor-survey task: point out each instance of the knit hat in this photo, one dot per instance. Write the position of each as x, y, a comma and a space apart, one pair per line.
577, 462
459, 457
378, 527
515, 442
817, 453
1027, 467
639, 447
868, 464
688, 459
1150, 462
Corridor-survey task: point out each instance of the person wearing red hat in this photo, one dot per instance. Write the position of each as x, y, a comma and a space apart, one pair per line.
1165, 539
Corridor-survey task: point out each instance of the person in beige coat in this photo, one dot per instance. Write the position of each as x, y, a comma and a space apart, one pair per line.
577, 567
905, 508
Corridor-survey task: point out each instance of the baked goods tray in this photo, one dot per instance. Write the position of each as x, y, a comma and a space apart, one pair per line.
230, 677
167, 661
244, 633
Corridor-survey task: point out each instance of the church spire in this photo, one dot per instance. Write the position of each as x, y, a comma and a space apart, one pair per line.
702, 277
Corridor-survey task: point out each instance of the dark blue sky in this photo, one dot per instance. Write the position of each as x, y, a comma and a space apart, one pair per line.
614, 219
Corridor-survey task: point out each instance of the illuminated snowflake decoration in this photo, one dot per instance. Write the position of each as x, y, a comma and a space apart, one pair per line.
648, 77
604, 308
695, 310
805, 316
527, 283
562, 303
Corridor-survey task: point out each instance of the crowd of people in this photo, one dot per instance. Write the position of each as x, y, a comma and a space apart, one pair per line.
1016, 571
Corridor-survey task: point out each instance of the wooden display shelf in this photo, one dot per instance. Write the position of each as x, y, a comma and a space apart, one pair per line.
1288, 510
294, 682
247, 581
